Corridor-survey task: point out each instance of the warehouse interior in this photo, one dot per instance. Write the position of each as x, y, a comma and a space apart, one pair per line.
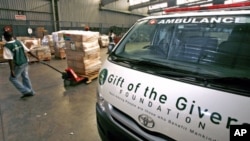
50, 28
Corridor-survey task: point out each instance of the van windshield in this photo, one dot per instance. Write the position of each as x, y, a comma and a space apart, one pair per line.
216, 46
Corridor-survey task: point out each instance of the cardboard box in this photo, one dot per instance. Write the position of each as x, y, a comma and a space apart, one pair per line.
84, 36
80, 35
81, 56
82, 69
32, 43
82, 64
52, 50
81, 46
41, 29
40, 32
60, 53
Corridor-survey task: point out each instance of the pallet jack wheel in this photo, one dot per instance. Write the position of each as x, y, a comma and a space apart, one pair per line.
66, 82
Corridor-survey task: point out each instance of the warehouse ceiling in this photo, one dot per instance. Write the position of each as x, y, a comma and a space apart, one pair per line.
175, 3
158, 6
153, 8
104, 2
146, 4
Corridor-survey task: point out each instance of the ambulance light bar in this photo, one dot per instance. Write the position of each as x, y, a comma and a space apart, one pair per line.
213, 7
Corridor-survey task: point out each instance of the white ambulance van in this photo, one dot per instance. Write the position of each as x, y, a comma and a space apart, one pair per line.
183, 77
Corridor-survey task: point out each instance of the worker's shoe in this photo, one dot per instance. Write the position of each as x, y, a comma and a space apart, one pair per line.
27, 95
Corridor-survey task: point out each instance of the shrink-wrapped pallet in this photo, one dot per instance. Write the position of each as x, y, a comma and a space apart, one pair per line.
58, 36
59, 44
47, 40
83, 52
42, 52
51, 44
84, 63
104, 41
29, 42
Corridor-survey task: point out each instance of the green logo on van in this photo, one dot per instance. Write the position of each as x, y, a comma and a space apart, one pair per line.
103, 76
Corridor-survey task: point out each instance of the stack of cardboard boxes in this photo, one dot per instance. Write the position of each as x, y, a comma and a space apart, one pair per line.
59, 44
83, 52
48, 42
43, 52
34, 44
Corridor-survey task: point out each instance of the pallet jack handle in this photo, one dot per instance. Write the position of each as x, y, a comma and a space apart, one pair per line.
69, 75
42, 62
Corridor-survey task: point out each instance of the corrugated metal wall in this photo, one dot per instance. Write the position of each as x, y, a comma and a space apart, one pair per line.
73, 14
37, 12
87, 12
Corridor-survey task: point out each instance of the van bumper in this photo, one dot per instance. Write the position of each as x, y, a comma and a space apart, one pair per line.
109, 130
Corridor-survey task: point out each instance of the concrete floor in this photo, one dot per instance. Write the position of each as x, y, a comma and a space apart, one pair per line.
55, 113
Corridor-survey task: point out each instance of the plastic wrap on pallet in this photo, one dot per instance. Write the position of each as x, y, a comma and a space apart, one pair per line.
59, 44
58, 36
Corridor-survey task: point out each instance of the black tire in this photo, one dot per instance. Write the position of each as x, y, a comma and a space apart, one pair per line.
66, 83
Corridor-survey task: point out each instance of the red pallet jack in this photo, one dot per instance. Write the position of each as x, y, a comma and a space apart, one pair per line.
69, 76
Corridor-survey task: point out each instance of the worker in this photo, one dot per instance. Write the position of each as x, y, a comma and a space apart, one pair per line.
86, 28
111, 41
14, 52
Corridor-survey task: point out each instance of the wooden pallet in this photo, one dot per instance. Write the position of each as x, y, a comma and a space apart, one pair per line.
62, 58
91, 76
3, 61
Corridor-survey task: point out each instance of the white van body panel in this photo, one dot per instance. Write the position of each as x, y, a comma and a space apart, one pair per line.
206, 110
